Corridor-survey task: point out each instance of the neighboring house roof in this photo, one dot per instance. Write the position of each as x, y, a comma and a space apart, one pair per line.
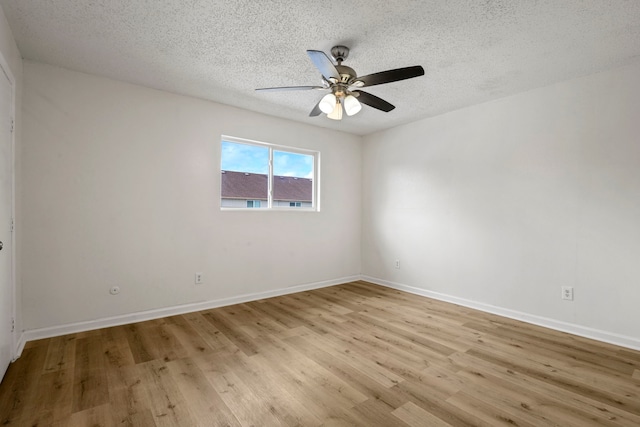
242, 185
292, 189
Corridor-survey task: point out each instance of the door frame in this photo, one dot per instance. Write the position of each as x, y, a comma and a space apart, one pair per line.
4, 67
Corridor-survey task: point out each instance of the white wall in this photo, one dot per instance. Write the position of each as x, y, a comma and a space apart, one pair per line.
14, 60
503, 203
121, 187
498, 204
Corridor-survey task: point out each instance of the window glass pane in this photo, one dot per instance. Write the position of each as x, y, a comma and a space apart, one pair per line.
292, 179
245, 171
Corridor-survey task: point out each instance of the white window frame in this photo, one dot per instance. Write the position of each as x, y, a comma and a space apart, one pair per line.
315, 203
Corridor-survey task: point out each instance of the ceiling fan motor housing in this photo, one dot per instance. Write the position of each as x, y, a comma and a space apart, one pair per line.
346, 73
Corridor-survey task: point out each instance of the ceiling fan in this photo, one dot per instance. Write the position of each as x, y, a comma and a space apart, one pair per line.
344, 84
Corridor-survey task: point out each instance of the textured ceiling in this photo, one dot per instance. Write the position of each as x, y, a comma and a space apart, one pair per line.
472, 50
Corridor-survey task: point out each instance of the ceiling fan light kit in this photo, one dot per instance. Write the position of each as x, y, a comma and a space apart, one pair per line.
328, 103
351, 105
336, 114
344, 84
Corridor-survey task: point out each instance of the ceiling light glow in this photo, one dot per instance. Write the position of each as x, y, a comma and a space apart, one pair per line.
336, 114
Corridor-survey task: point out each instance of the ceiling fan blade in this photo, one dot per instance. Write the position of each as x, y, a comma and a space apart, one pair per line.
324, 64
374, 101
266, 89
390, 76
316, 110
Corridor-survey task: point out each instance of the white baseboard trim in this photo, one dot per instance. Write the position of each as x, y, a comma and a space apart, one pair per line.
19, 346
582, 331
70, 328
106, 322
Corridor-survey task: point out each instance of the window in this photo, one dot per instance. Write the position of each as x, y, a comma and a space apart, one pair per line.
267, 176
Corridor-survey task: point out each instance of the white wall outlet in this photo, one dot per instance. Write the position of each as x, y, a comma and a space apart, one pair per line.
567, 293
397, 263
198, 279
115, 290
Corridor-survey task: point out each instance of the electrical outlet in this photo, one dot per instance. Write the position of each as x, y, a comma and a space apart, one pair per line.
198, 279
567, 293
398, 263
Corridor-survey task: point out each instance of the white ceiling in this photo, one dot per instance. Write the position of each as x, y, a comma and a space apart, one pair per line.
472, 50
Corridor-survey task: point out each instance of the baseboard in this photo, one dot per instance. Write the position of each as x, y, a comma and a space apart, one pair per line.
106, 322
70, 328
19, 346
596, 334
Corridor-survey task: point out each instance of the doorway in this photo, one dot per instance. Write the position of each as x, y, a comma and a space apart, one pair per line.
7, 288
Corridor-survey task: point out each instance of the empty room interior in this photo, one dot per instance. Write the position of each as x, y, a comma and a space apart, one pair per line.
235, 213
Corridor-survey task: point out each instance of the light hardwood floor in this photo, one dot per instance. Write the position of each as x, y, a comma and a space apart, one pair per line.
350, 355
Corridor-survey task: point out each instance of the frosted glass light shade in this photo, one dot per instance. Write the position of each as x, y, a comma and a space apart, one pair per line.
336, 114
351, 105
328, 103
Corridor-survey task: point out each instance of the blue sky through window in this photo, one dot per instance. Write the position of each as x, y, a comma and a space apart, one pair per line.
255, 159
245, 158
292, 164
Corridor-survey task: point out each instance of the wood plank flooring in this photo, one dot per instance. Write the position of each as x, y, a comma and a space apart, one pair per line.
350, 355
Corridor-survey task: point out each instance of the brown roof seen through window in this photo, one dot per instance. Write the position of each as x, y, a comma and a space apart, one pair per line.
253, 186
